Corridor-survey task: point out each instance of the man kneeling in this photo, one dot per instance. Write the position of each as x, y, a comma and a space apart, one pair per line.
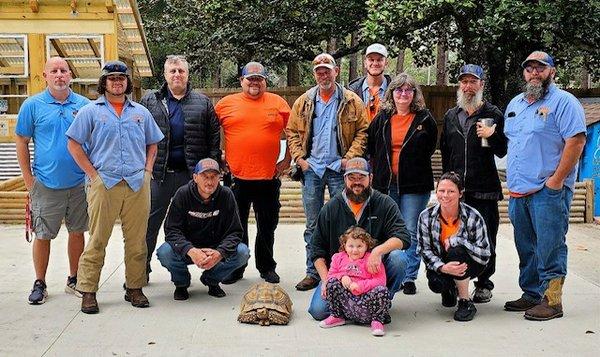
203, 228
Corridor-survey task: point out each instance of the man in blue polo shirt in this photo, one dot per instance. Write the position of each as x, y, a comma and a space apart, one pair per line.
56, 183
545, 127
121, 138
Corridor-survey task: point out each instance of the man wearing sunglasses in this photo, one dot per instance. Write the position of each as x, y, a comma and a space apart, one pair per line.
545, 127
191, 129
328, 126
120, 138
371, 88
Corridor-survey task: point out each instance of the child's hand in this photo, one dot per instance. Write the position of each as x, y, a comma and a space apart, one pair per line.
354, 289
346, 281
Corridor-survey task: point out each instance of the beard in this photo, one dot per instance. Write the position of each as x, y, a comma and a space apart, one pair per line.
361, 197
535, 91
469, 102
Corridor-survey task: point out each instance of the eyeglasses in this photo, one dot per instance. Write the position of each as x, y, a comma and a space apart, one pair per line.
406, 91
538, 69
323, 59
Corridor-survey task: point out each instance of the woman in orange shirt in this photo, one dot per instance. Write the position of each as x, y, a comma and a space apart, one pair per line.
401, 140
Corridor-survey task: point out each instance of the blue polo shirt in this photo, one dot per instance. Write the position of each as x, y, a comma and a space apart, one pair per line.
366, 94
116, 146
324, 152
46, 120
536, 135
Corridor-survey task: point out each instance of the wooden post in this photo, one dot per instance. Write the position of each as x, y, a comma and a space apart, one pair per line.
111, 48
589, 201
37, 59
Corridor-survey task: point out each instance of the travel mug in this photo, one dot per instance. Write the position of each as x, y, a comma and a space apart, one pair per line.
486, 122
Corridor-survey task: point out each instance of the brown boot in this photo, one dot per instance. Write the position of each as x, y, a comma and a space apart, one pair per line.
89, 305
307, 283
136, 297
551, 305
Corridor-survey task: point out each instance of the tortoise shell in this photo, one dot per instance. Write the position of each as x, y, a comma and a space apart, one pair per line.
265, 304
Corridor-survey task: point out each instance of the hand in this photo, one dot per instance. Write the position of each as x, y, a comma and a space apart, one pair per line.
454, 268
344, 162
354, 289
282, 167
346, 281
323, 290
554, 183
197, 256
224, 164
29, 181
212, 258
446, 244
485, 131
374, 262
303, 164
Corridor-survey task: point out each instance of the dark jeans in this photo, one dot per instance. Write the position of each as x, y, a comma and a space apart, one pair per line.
161, 194
263, 195
439, 282
489, 211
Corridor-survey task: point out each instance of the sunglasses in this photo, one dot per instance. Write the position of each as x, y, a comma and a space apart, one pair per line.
404, 90
538, 69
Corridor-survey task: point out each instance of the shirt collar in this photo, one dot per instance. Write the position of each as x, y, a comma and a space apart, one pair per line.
102, 100
383, 87
333, 96
48, 98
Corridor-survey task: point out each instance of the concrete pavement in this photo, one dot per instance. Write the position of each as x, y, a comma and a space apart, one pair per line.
204, 325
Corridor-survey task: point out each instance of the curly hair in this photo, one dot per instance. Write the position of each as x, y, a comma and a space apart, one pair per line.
356, 232
102, 85
418, 102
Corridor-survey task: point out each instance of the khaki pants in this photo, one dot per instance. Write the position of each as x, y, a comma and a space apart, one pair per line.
104, 206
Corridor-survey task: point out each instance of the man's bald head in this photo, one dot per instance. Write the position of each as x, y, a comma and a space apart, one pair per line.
57, 74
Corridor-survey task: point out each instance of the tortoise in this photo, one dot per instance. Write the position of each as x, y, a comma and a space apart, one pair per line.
265, 304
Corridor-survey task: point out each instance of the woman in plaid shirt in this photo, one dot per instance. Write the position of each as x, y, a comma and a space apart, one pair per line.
454, 244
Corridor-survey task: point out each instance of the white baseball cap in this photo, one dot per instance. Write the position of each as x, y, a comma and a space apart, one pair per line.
377, 48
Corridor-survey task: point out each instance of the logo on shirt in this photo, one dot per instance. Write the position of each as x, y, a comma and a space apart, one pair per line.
75, 112
203, 215
543, 112
353, 269
138, 119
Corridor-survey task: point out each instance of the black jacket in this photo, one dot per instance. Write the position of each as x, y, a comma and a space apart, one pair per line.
465, 155
356, 85
414, 172
381, 218
201, 129
193, 223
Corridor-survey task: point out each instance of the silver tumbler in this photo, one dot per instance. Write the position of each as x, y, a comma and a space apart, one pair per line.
486, 122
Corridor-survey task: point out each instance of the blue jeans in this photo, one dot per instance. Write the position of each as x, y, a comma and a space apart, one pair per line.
395, 269
411, 205
540, 223
313, 193
180, 274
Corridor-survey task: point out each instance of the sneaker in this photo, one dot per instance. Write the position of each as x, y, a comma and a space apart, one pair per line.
89, 304
409, 288
181, 293
70, 288
466, 310
521, 304
38, 293
449, 297
482, 295
377, 328
332, 321
308, 283
270, 276
136, 297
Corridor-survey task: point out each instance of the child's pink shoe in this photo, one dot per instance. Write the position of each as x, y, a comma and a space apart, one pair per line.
332, 321
377, 328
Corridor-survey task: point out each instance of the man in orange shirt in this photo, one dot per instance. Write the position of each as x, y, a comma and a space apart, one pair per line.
253, 122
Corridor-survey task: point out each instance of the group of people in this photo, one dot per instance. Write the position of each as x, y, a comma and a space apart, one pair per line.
369, 144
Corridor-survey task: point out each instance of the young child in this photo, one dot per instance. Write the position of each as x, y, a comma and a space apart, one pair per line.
352, 292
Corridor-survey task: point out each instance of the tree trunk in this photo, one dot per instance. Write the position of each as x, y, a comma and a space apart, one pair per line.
441, 77
332, 45
293, 74
585, 78
353, 68
216, 77
400, 62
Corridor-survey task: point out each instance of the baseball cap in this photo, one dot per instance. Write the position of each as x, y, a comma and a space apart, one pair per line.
207, 164
472, 69
114, 67
324, 60
254, 69
377, 48
357, 165
539, 56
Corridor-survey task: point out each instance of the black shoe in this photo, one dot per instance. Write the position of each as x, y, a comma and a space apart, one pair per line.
270, 276
216, 291
466, 310
521, 304
449, 297
181, 293
409, 288
233, 278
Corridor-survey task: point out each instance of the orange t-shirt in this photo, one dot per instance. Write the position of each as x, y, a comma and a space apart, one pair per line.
355, 207
400, 125
252, 129
373, 105
325, 97
118, 107
448, 229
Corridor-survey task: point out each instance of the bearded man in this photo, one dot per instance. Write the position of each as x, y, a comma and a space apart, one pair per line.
359, 205
463, 153
545, 127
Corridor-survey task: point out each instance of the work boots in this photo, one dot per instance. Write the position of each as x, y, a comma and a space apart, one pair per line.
551, 305
136, 297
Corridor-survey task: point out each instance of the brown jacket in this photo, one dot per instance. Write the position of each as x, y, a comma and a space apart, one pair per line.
351, 129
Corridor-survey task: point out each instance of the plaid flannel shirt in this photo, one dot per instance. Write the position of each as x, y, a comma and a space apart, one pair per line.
472, 234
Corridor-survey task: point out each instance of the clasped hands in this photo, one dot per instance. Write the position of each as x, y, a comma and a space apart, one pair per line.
205, 258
